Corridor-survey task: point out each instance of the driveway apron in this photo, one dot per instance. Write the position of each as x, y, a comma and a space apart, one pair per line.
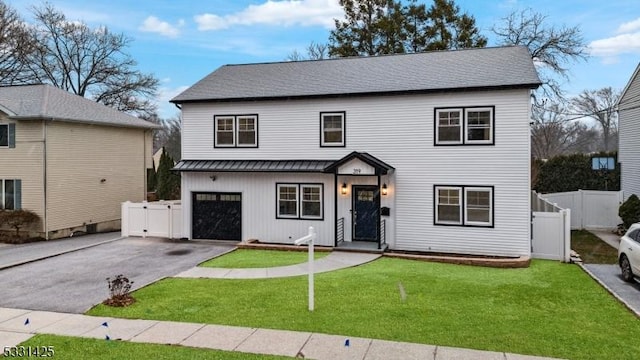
76, 281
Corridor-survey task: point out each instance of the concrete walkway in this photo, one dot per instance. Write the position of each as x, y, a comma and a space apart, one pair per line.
14, 329
608, 237
334, 261
14, 255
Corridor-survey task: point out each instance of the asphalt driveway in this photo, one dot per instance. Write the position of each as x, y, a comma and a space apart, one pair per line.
611, 277
76, 281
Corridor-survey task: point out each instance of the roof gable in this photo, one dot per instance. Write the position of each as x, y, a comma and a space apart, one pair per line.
501, 67
50, 103
379, 166
633, 79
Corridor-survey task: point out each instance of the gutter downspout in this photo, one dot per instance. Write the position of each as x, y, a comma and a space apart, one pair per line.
44, 177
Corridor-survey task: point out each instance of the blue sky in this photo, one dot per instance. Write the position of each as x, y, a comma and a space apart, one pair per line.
182, 41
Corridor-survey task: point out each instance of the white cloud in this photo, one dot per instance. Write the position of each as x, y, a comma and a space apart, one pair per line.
154, 25
630, 26
617, 45
279, 13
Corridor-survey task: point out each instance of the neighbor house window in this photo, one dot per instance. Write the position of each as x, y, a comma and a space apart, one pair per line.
464, 126
10, 194
8, 135
299, 201
236, 131
464, 205
287, 200
332, 129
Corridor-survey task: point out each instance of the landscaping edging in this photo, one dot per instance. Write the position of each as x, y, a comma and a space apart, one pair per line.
519, 262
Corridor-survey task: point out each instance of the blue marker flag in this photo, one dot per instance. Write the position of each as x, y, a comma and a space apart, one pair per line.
106, 337
346, 342
105, 324
26, 322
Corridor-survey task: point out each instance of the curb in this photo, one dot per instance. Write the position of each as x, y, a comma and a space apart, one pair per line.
606, 287
2, 267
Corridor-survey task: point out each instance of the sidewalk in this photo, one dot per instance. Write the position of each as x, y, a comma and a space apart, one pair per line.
607, 236
336, 260
14, 255
15, 329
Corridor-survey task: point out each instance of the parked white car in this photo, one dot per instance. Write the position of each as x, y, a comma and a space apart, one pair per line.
629, 253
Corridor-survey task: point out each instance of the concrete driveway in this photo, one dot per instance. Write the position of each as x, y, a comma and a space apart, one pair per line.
76, 281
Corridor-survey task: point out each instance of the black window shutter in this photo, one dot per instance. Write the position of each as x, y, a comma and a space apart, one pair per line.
17, 194
12, 135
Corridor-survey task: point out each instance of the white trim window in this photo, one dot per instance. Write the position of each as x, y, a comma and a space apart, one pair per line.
10, 194
479, 125
332, 129
311, 202
287, 201
478, 206
247, 131
235, 131
448, 205
449, 126
225, 131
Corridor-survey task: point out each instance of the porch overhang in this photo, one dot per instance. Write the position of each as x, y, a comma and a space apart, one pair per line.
308, 166
379, 167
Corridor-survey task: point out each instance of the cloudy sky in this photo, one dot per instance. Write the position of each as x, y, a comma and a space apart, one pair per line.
182, 41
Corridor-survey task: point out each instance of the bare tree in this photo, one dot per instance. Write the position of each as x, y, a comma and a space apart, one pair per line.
89, 62
600, 106
15, 44
552, 48
551, 132
315, 51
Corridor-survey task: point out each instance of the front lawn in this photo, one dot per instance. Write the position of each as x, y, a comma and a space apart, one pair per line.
247, 258
81, 348
592, 250
549, 309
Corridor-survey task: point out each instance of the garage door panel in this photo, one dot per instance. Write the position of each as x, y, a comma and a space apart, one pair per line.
217, 216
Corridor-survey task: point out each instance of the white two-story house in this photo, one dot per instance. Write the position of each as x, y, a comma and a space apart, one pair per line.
418, 152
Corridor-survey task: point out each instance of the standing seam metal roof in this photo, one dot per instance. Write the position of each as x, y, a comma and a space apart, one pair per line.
420, 72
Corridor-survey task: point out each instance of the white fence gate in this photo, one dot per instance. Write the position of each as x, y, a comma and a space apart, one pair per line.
159, 219
590, 209
550, 230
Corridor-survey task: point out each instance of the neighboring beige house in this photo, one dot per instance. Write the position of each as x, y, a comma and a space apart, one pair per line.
69, 159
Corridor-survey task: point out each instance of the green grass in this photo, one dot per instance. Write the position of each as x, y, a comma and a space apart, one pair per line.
549, 309
592, 250
246, 258
79, 348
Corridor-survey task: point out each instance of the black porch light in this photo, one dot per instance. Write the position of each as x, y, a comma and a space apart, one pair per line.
385, 191
343, 189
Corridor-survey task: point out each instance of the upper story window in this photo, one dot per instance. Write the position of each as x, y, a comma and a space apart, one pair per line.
332, 129
464, 126
236, 131
7, 135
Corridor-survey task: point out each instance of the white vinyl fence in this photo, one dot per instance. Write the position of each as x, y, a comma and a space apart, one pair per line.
158, 219
590, 209
550, 230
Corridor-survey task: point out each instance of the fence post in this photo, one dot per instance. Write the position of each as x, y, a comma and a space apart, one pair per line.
566, 214
124, 221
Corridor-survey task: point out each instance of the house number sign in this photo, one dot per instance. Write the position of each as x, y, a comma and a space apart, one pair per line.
357, 171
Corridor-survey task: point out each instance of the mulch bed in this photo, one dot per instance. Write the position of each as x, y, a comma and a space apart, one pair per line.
120, 301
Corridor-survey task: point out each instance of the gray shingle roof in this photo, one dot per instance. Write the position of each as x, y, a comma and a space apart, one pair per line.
48, 102
253, 165
497, 67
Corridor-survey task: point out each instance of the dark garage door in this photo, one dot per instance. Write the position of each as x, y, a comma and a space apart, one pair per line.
217, 216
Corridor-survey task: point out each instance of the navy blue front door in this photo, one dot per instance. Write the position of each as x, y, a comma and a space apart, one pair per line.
366, 204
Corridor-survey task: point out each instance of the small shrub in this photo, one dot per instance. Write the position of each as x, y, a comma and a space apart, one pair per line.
629, 211
18, 219
119, 288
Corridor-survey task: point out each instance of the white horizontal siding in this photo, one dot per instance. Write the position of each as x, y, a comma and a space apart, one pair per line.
259, 204
629, 142
400, 131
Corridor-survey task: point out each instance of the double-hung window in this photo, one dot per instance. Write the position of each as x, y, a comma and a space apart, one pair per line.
10, 194
464, 126
299, 201
332, 129
7, 135
464, 205
236, 131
